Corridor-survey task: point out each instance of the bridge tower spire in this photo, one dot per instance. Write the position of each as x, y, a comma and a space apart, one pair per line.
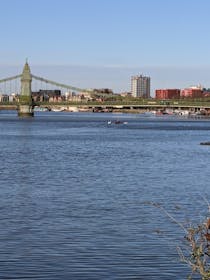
25, 108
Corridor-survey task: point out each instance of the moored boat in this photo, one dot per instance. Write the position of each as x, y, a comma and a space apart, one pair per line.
57, 109
40, 109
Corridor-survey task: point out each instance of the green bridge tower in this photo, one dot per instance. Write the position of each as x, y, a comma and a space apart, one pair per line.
25, 107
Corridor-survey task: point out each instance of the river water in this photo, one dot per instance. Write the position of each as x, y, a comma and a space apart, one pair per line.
75, 194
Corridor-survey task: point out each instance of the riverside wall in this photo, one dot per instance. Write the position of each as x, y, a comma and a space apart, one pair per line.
113, 108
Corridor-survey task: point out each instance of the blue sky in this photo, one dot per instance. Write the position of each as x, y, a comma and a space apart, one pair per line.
101, 43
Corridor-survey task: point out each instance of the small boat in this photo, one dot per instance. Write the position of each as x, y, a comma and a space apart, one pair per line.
118, 122
57, 109
40, 109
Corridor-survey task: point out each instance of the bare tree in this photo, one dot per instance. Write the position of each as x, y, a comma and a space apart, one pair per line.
196, 251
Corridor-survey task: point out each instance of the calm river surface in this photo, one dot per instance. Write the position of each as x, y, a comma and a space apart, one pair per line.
74, 193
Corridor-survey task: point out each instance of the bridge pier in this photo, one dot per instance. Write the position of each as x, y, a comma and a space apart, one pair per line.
25, 111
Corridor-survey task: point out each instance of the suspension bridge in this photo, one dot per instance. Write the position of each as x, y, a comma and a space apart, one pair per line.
22, 86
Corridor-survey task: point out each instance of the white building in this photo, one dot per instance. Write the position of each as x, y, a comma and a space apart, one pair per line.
140, 86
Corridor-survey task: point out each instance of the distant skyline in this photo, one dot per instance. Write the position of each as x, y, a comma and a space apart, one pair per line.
102, 43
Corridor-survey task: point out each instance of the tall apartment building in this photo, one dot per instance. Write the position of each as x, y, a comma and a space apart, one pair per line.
140, 86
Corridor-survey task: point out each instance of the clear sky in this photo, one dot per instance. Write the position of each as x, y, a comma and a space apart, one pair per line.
101, 43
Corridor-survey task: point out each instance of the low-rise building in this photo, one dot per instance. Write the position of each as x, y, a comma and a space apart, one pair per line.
4, 98
193, 92
46, 95
167, 93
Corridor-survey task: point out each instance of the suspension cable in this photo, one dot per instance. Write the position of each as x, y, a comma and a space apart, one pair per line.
61, 85
10, 78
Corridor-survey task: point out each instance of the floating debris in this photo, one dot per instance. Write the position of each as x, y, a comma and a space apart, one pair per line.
205, 143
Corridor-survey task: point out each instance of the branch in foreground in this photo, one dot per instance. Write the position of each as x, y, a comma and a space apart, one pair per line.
197, 254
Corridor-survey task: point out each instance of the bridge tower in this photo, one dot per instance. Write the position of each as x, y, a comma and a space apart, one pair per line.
25, 107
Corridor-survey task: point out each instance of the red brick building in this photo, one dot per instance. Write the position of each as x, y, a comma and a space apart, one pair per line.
167, 93
192, 92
